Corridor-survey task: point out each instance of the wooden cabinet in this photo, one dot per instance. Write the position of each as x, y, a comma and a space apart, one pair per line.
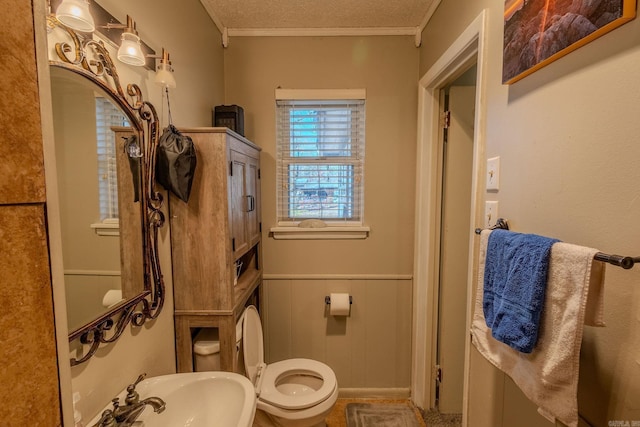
245, 197
217, 232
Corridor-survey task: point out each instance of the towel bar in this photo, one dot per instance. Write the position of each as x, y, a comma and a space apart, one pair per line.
625, 262
501, 224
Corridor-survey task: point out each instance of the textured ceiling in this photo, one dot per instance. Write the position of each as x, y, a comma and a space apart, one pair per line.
319, 14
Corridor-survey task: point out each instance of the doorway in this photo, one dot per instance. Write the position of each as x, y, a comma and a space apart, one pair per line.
468, 49
457, 130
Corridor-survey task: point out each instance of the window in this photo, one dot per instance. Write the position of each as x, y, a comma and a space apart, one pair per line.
107, 115
320, 160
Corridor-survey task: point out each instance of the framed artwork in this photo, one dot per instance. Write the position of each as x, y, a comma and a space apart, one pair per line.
537, 32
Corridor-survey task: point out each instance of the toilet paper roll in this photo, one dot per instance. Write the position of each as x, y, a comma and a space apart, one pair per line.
340, 305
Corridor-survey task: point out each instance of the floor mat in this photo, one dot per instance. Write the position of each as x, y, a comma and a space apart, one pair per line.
435, 419
381, 415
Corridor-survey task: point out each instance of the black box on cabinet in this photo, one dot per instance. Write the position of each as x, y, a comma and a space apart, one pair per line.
230, 116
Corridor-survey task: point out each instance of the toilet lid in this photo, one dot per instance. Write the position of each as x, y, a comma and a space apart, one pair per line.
295, 367
252, 340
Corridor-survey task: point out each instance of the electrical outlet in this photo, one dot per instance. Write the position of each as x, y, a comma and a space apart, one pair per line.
493, 174
490, 214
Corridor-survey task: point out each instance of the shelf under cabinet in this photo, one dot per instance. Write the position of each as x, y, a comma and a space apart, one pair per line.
247, 284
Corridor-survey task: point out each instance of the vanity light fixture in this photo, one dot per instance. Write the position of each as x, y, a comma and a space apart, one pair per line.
130, 51
75, 15
164, 74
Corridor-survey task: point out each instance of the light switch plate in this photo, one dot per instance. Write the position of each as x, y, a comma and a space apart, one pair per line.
493, 174
490, 214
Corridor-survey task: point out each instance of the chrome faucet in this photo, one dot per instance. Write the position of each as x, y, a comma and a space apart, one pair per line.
121, 416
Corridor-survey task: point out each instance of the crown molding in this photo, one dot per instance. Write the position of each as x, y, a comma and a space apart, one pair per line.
227, 32
322, 32
425, 21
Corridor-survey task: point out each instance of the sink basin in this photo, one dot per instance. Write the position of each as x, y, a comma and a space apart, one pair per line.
198, 399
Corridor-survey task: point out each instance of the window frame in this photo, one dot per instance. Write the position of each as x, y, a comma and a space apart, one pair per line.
107, 178
316, 228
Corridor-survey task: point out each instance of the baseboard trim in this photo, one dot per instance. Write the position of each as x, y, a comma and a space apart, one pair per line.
372, 393
278, 276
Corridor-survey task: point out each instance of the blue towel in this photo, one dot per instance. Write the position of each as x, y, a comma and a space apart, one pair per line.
515, 279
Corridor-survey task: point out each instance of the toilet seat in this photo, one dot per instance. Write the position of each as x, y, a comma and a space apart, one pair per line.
275, 371
266, 377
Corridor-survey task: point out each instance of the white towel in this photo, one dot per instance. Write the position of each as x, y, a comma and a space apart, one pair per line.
549, 375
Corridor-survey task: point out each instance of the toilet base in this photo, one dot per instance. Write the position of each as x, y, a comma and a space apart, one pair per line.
263, 419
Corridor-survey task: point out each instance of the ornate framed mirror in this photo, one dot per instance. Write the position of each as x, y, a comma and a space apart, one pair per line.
110, 208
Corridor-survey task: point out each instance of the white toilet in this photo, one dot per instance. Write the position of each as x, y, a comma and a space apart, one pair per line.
293, 392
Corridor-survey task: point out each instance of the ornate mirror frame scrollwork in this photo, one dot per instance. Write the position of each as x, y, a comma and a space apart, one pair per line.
90, 59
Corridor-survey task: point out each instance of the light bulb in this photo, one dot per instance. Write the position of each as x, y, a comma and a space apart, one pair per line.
75, 15
130, 51
164, 76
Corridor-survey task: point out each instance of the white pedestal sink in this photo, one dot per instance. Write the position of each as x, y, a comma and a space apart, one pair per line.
198, 399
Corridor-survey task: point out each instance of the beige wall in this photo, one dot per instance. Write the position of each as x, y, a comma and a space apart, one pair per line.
194, 44
387, 68
185, 30
567, 141
369, 349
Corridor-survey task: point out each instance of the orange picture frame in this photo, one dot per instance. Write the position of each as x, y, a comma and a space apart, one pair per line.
538, 32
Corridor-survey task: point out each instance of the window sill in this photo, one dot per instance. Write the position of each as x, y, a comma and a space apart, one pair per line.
107, 228
322, 233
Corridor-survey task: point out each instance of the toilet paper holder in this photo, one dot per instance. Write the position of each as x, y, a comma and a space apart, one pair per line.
327, 300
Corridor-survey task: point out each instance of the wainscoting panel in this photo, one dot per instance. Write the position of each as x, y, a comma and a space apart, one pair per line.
369, 349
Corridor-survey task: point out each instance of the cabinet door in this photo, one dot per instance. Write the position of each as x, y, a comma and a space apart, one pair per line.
253, 198
239, 203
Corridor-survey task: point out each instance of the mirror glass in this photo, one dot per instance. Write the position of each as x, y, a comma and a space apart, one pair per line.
98, 185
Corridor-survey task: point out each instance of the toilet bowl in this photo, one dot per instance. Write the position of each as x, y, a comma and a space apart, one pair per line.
292, 392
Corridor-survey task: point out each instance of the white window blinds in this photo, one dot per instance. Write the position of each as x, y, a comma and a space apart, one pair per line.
107, 115
320, 153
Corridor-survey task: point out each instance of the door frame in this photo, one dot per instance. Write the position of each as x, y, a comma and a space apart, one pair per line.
470, 46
